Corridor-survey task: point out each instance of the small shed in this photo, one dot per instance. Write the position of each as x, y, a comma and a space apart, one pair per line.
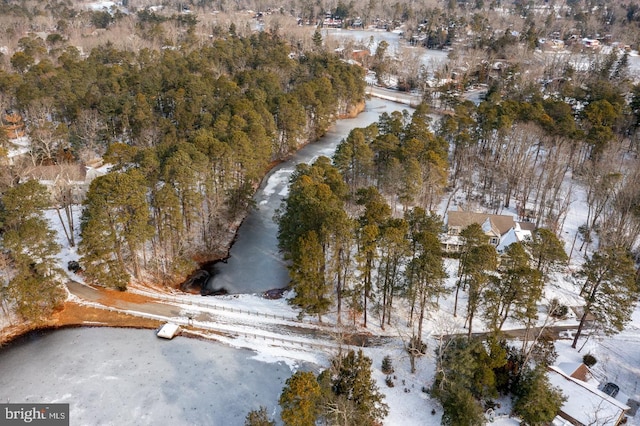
168, 331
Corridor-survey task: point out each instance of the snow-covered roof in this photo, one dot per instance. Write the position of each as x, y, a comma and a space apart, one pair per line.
514, 235
578, 370
168, 331
585, 403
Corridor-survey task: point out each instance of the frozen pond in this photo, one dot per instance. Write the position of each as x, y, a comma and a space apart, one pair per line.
127, 376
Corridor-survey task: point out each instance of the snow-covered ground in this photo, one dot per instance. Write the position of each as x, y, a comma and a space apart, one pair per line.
618, 358
149, 379
101, 5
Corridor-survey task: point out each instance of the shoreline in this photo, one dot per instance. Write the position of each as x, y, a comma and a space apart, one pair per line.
74, 314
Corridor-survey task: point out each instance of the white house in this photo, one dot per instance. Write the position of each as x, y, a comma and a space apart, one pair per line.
501, 230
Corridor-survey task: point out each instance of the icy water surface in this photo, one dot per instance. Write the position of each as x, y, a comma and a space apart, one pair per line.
130, 377
255, 263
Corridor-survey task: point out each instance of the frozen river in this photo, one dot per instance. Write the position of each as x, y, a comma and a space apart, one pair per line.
126, 376
113, 376
255, 263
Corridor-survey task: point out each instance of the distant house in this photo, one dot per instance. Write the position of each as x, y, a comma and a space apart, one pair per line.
359, 54
590, 43
551, 44
12, 125
74, 177
501, 230
585, 404
331, 22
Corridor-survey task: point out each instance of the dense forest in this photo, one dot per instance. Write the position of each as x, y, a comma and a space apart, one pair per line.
191, 109
363, 235
189, 134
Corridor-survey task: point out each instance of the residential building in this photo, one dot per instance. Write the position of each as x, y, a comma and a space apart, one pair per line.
585, 404
501, 230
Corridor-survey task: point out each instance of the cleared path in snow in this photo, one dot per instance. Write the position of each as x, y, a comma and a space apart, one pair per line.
230, 322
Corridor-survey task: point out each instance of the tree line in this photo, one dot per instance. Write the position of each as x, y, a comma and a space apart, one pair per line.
531, 146
336, 223
188, 133
349, 252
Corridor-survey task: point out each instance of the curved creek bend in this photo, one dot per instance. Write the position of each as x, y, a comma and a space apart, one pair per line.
127, 376
255, 263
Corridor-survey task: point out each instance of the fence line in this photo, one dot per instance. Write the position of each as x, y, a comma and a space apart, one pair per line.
189, 301
228, 333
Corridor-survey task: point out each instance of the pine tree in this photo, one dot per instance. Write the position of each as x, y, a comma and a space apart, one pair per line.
376, 212
317, 39
468, 363
425, 272
183, 170
472, 236
354, 158
536, 401
514, 293
169, 238
546, 250
115, 227
258, 418
366, 257
315, 207
299, 400
481, 259
464, 377
352, 385
393, 249
387, 365
308, 277
315, 198
610, 290
35, 287
339, 267
461, 408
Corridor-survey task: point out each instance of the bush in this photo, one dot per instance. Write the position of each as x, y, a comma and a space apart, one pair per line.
389, 382
74, 266
258, 418
387, 367
558, 310
544, 352
417, 347
589, 360
537, 401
